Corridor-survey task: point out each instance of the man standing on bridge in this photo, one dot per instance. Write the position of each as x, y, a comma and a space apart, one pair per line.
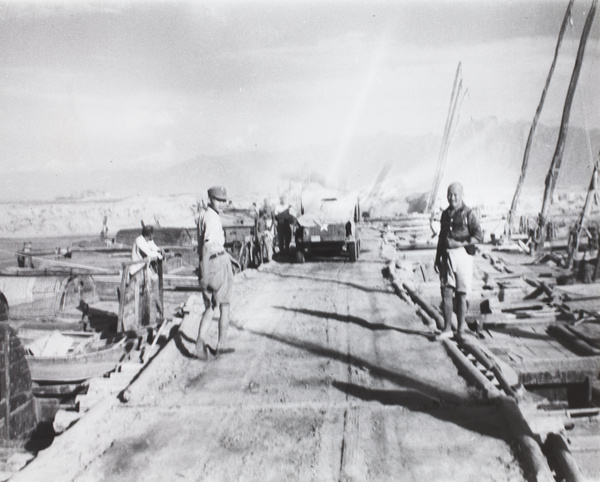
460, 232
216, 273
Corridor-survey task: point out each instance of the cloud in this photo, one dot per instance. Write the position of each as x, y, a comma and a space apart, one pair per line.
145, 83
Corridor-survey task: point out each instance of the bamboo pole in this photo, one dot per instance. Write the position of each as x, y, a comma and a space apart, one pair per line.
552, 175
515, 201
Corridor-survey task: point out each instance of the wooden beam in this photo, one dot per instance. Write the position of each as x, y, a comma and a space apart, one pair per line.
572, 340
430, 310
566, 465
470, 372
536, 465
490, 364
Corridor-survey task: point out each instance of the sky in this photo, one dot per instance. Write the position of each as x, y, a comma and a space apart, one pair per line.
102, 86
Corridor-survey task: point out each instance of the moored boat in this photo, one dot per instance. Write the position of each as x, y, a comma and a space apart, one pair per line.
77, 367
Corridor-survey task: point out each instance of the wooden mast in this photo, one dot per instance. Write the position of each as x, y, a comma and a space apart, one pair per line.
457, 87
552, 175
593, 195
515, 201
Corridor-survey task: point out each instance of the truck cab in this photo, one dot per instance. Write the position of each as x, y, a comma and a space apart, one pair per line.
330, 230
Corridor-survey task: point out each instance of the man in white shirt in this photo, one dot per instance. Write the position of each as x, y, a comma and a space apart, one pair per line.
216, 278
144, 248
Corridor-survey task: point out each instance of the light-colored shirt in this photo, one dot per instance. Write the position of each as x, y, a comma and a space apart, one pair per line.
141, 250
210, 232
285, 212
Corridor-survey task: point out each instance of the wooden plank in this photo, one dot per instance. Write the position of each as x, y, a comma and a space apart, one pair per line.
546, 371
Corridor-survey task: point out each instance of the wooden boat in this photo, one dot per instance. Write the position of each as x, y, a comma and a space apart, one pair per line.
73, 368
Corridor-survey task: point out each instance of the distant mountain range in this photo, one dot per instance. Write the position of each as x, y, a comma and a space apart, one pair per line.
485, 153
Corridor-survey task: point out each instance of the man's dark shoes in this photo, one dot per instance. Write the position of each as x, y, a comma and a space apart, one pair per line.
223, 351
444, 335
211, 350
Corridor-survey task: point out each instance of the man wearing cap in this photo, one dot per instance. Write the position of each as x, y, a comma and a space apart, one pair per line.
216, 278
460, 232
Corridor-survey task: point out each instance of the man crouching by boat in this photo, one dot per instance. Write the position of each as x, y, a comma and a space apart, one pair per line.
216, 272
460, 232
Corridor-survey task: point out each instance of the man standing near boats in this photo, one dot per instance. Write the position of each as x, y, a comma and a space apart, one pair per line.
145, 248
216, 272
460, 232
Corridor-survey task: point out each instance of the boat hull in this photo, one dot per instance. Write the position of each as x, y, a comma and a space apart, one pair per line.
76, 368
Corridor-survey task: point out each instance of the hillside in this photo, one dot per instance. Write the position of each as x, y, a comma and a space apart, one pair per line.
485, 155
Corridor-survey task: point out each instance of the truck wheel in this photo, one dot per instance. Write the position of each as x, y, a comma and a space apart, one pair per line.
352, 251
299, 257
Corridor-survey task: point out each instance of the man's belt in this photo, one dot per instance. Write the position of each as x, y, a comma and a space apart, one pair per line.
213, 256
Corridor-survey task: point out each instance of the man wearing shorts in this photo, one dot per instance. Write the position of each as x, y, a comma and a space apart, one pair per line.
460, 232
216, 278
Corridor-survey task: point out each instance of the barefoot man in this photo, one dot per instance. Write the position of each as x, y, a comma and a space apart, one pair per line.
460, 232
216, 278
